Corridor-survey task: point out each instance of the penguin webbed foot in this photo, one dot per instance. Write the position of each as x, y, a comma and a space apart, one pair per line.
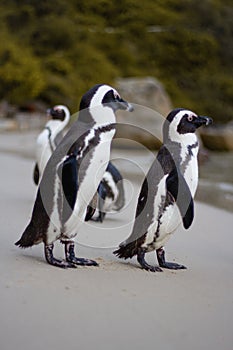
56, 262
72, 259
145, 265
99, 218
173, 266
82, 261
165, 264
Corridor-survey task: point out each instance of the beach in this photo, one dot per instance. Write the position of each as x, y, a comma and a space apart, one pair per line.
116, 305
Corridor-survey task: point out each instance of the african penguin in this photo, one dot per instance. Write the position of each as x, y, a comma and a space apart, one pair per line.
49, 138
111, 195
166, 196
72, 175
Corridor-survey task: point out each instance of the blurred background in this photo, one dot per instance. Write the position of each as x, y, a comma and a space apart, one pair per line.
160, 54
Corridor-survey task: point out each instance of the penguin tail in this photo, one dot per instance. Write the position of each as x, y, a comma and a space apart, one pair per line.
126, 250
28, 238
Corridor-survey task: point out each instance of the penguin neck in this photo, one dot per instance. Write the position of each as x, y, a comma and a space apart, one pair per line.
98, 117
56, 125
183, 139
184, 148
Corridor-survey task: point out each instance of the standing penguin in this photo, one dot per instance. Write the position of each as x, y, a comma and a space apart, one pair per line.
166, 197
49, 138
111, 194
72, 175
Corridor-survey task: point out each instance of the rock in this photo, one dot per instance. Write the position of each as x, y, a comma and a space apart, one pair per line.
152, 104
30, 121
6, 109
219, 138
148, 92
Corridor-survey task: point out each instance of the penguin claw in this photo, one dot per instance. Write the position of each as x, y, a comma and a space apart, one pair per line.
61, 263
173, 266
145, 265
151, 268
56, 262
71, 258
98, 219
167, 265
82, 261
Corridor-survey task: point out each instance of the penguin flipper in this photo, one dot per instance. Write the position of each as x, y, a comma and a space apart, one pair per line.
101, 196
36, 174
178, 188
68, 175
91, 208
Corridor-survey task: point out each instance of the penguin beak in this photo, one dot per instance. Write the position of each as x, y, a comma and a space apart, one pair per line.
125, 105
203, 120
130, 108
48, 112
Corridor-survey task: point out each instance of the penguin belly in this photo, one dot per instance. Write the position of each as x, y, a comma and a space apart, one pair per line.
169, 222
191, 175
160, 230
88, 187
43, 151
110, 200
165, 219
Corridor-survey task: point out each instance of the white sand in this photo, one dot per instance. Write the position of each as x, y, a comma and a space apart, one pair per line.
116, 305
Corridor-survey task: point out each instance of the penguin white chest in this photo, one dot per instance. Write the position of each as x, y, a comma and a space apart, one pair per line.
43, 150
161, 229
164, 221
109, 201
90, 182
97, 166
166, 218
191, 173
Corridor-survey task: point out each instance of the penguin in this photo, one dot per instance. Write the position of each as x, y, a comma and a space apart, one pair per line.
111, 194
49, 138
72, 175
110, 189
166, 196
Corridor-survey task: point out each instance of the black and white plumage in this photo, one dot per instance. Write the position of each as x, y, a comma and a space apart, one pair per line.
49, 138
166, 196
111, 194
72, 175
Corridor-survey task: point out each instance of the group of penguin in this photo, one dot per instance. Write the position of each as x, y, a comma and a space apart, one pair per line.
74, 176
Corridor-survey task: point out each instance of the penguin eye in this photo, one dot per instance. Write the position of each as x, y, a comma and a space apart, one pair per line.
190, 118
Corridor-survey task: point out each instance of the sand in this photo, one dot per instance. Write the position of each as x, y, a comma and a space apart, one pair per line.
116, 305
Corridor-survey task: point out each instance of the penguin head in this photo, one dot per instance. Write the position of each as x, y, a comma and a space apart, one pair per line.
113, 99
59, 112
182, 123
106, 96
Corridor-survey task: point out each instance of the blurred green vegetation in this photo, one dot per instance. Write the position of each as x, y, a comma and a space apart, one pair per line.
55, 50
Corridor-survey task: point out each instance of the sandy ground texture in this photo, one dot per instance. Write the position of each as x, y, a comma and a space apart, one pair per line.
116, 305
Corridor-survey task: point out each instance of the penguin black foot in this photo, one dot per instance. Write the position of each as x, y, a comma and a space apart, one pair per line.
100, 218
167, 265
53, 261
71, 258
145, 265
